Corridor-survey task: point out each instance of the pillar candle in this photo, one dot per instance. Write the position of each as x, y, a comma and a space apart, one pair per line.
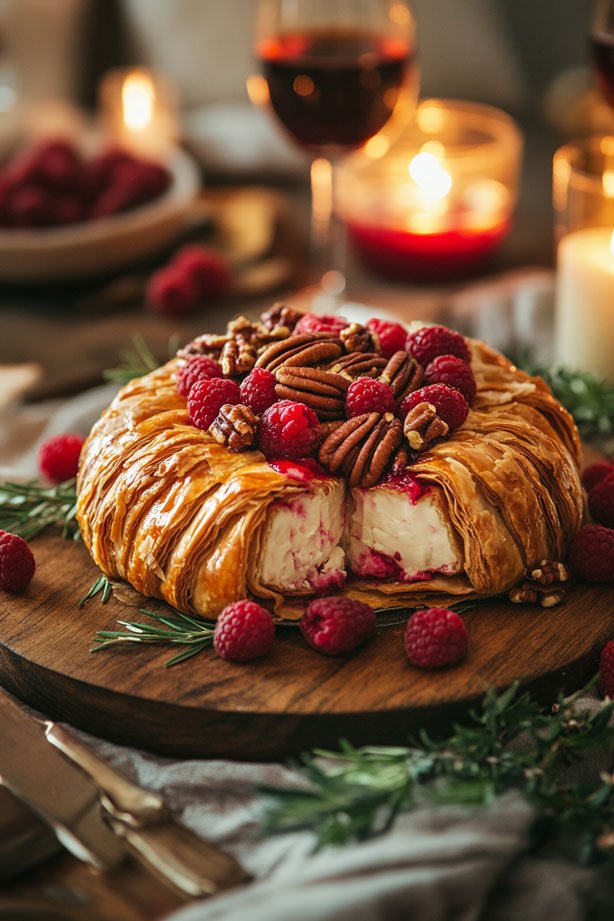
584, 335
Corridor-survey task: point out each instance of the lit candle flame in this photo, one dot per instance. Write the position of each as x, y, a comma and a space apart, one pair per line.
429, 175
138, 98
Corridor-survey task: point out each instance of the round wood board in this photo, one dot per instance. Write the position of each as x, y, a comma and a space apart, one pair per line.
290, 701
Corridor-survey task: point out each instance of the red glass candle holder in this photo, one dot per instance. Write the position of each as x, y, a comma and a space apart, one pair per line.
437, 202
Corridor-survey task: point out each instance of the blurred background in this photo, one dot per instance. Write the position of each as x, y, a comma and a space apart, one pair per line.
530, 59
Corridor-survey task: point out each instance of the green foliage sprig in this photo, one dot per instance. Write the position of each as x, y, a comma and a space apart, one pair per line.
178, 630
30, 508
357, 792
138, 360
589, 399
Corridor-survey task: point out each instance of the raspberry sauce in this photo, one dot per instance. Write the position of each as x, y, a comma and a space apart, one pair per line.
407, 483
304, 471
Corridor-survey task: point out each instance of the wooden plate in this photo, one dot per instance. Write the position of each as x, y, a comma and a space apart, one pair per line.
288, 702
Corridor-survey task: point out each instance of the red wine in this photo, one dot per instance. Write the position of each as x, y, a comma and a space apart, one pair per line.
602, 44
334, 88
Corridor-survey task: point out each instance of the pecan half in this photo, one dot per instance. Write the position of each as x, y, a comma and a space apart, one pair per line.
531, 592
280, 315
304, 351
360, 364
403, 374
423, 427
549, 572
235, 426
402, 459
322, 391
356, 338
362, 447
237, 357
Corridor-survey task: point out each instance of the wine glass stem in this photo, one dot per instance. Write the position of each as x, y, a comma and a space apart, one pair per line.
327, 236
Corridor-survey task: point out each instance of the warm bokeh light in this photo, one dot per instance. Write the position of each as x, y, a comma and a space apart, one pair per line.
429, 175
257, 90
138, 100
399, 14
377, 146
612, 244
607, 181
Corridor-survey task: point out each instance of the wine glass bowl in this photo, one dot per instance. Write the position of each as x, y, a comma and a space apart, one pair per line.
602, 48
337, 72
333, 89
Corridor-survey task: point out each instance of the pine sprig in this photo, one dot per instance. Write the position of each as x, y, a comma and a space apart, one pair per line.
589, 399
357, 792
178, 630
138, 360
30, 508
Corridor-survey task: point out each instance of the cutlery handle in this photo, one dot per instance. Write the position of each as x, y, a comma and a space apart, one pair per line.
138, 804
170, 851
180, 859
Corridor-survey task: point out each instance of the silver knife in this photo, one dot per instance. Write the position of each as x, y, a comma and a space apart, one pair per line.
98, 814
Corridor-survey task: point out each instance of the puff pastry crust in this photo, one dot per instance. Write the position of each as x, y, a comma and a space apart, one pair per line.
163, 506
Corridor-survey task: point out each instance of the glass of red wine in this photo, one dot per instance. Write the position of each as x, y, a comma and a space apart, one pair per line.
602, 45
337, 72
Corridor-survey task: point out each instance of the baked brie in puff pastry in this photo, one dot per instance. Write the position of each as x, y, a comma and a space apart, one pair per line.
170, 508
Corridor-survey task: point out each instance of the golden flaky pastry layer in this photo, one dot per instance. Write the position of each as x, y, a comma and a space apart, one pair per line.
163, 506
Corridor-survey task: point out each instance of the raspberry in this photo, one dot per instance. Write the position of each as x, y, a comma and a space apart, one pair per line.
591, 554
244, 630
112, 200
435, 637
601, 501
197, 368
258, 390
288, 429
67, 209
207, 269
594, 473
450, 404
336, 625
145, 180
28, 206
58, 457
366, 395
606, 670
208, 396
450, 370
392, 336
16, 563
171, 292
430, 341
312, 323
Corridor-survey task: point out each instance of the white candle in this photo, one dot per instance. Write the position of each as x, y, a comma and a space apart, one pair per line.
584, 336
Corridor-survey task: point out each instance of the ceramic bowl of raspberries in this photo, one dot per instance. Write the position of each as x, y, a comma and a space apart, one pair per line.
65, 213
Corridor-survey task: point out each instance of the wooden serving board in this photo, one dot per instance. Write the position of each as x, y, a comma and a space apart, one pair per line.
288, 702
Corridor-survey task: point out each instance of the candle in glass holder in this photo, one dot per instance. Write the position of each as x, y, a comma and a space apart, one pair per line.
584, 211
438, 201
139, 111
585, 301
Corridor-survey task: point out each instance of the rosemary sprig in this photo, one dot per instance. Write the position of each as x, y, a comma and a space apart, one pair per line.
138, 360
101, 587
178, 630
509, 744
30, 508
589, 399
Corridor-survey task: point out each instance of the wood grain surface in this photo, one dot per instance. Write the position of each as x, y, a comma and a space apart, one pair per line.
291, 700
